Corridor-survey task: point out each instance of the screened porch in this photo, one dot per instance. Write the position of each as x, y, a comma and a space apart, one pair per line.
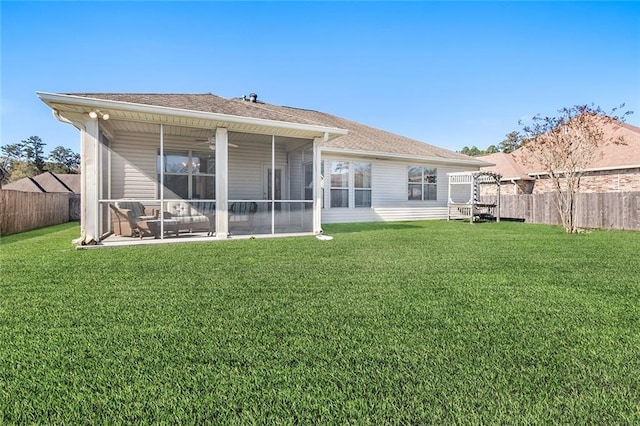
178, 182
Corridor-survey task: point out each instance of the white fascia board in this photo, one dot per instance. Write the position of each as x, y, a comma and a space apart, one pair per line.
391, 156
161, 110
514, 178
594, 169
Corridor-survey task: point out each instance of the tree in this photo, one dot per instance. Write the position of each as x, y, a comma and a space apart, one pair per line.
512, 141
473, 151
565, 145
63, 160
33, 151
27, 159
20, 169
11, 152
491, 149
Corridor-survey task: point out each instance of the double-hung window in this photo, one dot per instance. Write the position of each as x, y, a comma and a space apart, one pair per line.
350, 184
188, 174
339, 184
422, 183
362, 184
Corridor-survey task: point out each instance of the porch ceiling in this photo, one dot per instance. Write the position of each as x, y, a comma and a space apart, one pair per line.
137, 118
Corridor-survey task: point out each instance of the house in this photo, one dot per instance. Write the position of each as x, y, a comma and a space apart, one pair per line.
47, 182
615, 167
227, 160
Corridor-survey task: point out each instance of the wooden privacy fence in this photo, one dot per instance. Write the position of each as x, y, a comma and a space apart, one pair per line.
605, 210
22, 211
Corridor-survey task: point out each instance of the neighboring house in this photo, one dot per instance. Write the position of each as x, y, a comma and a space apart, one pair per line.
297, 168
615, 166
47, 182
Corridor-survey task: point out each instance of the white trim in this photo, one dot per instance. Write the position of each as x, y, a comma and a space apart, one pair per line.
593, 169
386, 155
222, 183
317, 186
168, 111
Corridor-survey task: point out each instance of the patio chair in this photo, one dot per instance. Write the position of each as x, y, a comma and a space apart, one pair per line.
241, 214
130, 219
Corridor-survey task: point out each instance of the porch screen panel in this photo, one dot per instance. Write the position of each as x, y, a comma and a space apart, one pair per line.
133, 168
203, 167
175, 166
188, 174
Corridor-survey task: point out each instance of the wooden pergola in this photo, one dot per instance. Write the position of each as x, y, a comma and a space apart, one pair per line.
464, 201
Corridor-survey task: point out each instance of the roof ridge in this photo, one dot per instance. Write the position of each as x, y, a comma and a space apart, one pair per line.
268, 106
143, 94
61, 182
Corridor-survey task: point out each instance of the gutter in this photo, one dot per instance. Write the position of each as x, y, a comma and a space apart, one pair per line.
168, 111
386, 155
61, 118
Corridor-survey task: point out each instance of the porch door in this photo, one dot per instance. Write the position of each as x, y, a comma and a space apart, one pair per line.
269, 182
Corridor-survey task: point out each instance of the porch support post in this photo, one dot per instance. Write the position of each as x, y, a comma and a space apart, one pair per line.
317, 187
222, 183
90, 171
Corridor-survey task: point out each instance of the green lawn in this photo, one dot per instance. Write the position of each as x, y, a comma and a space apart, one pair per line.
403, 323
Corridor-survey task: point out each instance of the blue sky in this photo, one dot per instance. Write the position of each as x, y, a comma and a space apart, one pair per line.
447, 73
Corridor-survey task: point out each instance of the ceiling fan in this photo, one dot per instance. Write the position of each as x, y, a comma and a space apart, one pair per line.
211, 142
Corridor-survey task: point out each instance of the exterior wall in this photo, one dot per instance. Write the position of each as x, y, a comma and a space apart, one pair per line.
134, 175
389, 193
600, 181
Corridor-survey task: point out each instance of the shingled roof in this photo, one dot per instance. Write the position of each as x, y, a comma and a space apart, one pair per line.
360, 137
47, 182
506, 166
610, 155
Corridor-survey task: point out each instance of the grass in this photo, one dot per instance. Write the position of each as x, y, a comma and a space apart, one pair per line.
403, 323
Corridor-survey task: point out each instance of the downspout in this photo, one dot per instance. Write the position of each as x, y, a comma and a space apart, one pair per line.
317, 190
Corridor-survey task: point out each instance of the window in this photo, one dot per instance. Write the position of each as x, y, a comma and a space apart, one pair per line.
362, 184
422, 183
339, 184
188, 174
350, 184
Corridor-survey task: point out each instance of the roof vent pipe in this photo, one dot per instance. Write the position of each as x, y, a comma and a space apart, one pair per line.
253, 97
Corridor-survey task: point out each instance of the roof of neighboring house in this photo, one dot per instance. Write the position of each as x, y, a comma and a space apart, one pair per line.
609, 155
47, 182
506, 166
360, 138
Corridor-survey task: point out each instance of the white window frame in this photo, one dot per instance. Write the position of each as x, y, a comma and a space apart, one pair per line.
363, 189
433, 171
350, 188
340, 188
188, 153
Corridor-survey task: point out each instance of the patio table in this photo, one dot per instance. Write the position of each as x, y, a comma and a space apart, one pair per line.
170, 225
